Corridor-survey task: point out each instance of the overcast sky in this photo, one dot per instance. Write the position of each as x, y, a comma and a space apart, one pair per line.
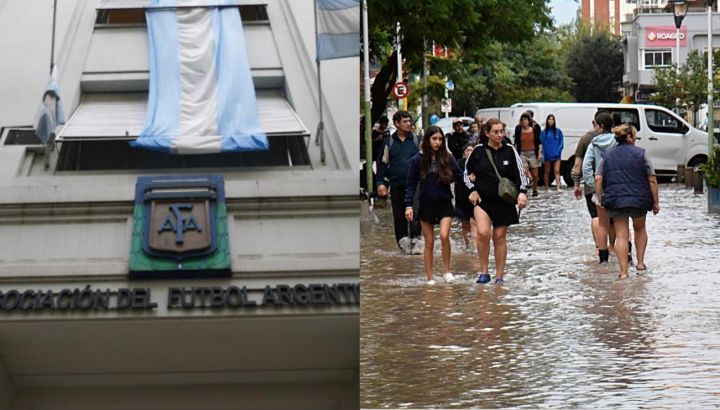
563, 11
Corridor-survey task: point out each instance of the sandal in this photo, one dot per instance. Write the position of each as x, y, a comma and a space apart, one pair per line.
623, 276
638, 268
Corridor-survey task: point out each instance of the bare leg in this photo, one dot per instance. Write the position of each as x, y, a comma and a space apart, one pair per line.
499, 236
595, 229
547, 175
621, 246
445, 242
557, 175
473, 232
612, 238
483, 223
465, 226
535, 177
641, 241
429, 237
603, 227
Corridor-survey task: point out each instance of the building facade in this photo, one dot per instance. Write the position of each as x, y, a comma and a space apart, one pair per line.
84, 323
611, 13
649, 43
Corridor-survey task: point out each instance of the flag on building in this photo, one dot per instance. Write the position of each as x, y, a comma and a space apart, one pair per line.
50, 114
201, 98
338, 29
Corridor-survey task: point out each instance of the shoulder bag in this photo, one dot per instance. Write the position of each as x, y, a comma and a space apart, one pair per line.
506, 188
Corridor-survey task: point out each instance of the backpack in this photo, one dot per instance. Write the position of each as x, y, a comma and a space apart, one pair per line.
391, 141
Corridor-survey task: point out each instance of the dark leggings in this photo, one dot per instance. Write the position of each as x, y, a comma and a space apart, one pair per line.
397, 200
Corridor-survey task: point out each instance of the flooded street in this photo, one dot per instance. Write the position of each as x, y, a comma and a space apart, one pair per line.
561, 331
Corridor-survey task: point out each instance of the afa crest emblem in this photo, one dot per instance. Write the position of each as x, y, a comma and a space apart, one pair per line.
180, 228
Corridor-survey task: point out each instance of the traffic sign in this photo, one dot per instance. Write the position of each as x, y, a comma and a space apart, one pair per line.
400, 90
446, 105
450, 85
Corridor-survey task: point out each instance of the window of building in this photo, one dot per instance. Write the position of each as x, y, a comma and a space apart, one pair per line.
116, 16
19, 136
657, 58
117, 154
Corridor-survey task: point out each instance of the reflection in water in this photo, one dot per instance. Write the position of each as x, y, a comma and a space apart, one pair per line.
562, 331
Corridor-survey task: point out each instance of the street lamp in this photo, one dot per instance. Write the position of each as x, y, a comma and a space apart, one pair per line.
680, 8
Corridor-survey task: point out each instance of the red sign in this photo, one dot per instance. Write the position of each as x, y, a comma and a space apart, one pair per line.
400, 90
664, 36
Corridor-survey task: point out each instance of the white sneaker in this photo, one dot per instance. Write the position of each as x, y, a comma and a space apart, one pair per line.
405, 244
449, 277
431, 282
416, 246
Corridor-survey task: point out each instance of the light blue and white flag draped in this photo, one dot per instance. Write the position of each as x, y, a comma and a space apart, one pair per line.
338, 29
201, 98
50, 114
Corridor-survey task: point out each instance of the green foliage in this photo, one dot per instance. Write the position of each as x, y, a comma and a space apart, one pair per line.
686, 90
595, 64
711, 169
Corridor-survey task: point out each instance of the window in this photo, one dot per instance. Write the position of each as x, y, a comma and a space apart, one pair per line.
660, 121
95, 156
624, 116
113, 16
657, 58
20, 136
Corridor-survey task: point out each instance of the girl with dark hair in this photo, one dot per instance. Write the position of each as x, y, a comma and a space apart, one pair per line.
493, 215
552, 140
431, 172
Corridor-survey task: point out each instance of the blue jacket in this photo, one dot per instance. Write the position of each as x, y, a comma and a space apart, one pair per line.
553, 144
593, 155
625, 180
394, 160
431, 189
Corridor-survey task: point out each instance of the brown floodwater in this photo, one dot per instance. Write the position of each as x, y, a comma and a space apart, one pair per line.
561, 331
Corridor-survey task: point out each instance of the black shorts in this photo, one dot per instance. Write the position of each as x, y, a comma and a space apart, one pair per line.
433, 212
627, 213
591, 206
500, 212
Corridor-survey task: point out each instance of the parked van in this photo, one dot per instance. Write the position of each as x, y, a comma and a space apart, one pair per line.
502, 113
668, 139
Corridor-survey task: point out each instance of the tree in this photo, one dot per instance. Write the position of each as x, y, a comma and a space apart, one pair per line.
465, 26
596, 66
688, 89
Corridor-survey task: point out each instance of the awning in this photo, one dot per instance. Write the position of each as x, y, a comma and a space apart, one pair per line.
138, 4
117, 116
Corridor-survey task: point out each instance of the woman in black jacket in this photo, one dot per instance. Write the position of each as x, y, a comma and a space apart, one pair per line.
528, 144
432, 170
492, 214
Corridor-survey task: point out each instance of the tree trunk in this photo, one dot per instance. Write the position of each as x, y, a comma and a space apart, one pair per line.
382, 86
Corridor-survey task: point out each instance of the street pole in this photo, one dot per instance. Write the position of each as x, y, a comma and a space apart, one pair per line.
677, 65
401, 101
711, 106
366, 86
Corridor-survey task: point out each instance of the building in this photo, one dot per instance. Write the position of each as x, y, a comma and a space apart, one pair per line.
275, 325
611, 13
649, 42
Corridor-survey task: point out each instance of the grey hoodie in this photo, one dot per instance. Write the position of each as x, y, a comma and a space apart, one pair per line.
593, 155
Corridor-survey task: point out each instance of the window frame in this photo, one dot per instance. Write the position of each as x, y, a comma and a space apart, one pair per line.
655, 51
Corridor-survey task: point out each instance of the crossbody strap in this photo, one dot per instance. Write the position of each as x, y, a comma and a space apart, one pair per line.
492, 161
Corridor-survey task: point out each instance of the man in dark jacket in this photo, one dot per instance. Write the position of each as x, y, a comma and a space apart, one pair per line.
393, 164
458, 139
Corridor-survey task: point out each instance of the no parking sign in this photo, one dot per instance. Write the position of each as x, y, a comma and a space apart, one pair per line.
400, 90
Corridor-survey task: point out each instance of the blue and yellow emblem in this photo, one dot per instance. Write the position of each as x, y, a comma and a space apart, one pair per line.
180, 228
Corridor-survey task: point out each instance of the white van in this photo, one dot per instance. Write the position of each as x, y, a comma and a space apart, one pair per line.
667, 138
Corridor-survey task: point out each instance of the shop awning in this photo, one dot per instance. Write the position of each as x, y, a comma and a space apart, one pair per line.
118, 116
